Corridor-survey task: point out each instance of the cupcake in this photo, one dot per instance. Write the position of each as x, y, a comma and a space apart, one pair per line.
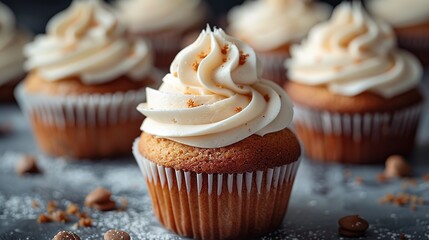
271, 26
218, 159
85, 79
410, 21
356, 94
164, 23
11, 57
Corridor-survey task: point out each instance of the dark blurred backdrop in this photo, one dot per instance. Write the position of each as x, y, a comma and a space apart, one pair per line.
34, 14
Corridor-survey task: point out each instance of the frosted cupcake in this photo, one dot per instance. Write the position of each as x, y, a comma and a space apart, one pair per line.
410, 20
356, 94
11, 57
272, 26
85, 79
164, 23
215, 150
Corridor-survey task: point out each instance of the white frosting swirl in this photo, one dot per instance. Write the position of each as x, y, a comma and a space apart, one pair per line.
143, 16
86, 40
11, 44
269, 24
214, 96
400, 13
353, 53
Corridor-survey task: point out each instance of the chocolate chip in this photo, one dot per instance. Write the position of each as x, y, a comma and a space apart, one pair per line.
105, 206
100, 199
396, 166
98, 195
66, 235
352, 226
27, 165
114, 234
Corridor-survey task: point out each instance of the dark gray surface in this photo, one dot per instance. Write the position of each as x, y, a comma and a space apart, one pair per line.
322, 194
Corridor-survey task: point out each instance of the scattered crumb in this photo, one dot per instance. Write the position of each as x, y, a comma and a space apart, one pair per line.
59, 216
35, 204
72, 208
402, 199
43, 218
85, 222
51, 206
238, 109
175, 74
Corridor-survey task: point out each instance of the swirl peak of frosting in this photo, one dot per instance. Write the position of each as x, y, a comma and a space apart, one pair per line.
214, 95
88, 41
400, 13
11, 43
269, 24
353, 53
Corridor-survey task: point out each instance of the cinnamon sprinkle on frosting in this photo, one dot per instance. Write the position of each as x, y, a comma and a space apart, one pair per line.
243, 58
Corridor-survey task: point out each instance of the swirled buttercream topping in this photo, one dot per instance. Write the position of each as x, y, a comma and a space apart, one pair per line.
353, 53
86, 40
269, 24
214, 96
143, 16
11, 43
400, 13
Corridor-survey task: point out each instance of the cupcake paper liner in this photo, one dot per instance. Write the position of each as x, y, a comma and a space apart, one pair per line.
218, 206
83, 126
274, 68
356, 138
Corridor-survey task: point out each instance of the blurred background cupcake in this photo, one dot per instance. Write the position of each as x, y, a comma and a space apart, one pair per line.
216, 135
272, 26
12, 41
356, 95
85, 80
410, 20
165, 23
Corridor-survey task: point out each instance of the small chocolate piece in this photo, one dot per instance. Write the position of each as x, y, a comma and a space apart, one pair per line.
105, 206
396, 166
66, 235
43, 218
85, 222
100, 199
27, 165
350, 234
402, 237
59, 216
98, 195
114, 234
352, 226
